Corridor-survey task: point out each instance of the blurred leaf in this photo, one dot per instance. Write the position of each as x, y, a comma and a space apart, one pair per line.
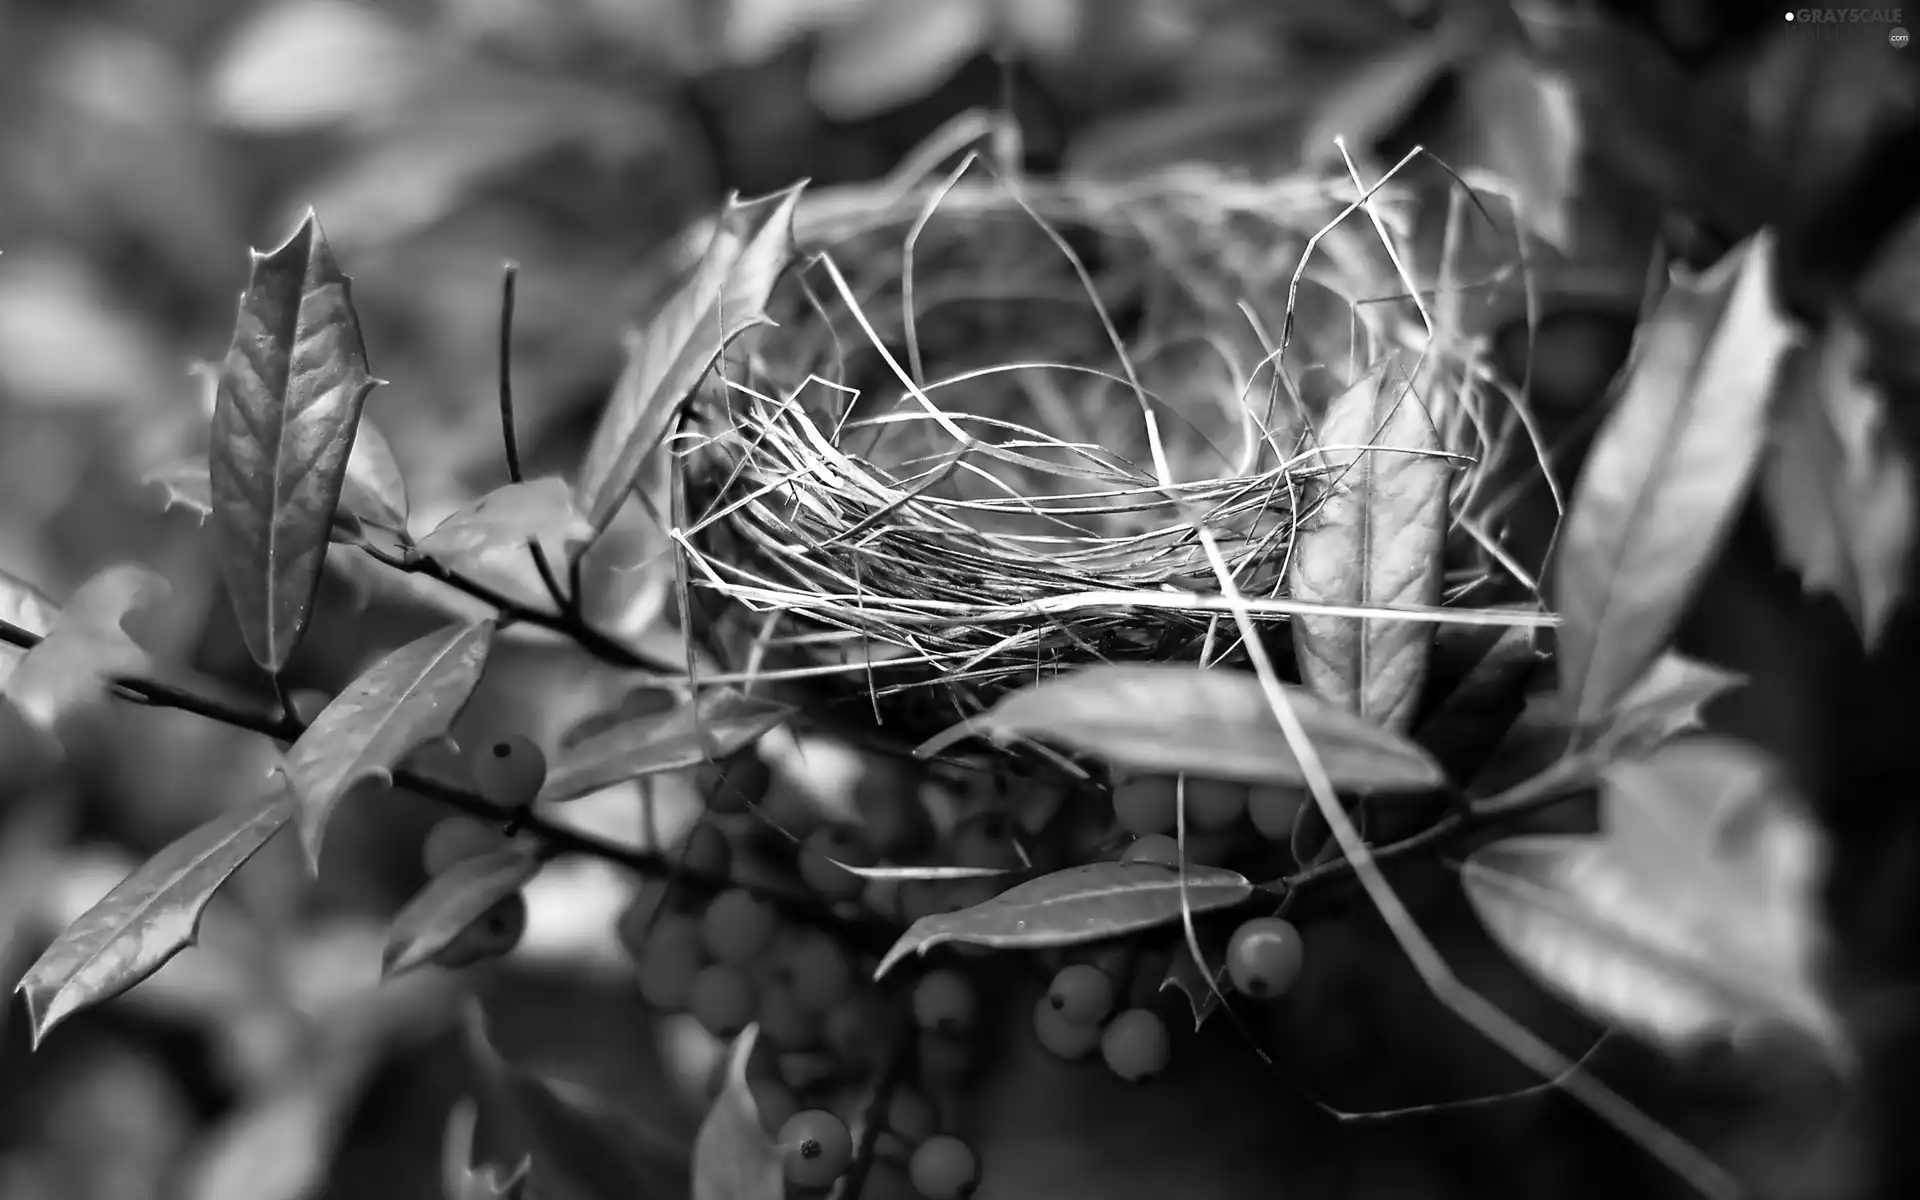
410, 696
1837, 483
1528, 122
1666, 476
721, 722
302, 66
1374, 537
507, 519
1080, 904
86, 647
280, 1146
1665, 703
150, 917
1217, 723
579, 1152
453, 900
458, 1178
1477, 687
895, 52
26, 606
1694, 914
751, 246
733, 1157
291, 391
67, 339
1370, 101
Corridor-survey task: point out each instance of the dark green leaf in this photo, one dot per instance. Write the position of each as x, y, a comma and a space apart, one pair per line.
23, 605
370, 465
1373, 537
151, 916
1217, 723
86, 647
1371, 100
453, 900
1527, 120
1666, 476
459, 1180
291, 391
1080, 904
1694, 913
1477, 688
506, 520
1837, 484
721, 722
408, 697
733, 1158
752, 244
1665, 703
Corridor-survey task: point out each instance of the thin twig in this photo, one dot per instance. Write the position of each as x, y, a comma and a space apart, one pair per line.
864, 1155
510, 440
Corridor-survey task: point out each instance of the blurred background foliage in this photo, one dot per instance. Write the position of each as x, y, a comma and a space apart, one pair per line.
145, 143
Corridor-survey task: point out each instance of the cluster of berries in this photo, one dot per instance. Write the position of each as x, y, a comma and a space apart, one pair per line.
508, 772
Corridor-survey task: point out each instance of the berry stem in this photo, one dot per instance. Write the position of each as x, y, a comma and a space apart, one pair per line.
865, 1150
510, 439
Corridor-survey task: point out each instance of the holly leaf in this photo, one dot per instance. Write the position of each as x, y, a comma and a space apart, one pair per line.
1374, 536
1694, 914
407, 698
458, 1178
721, 722
733, 1158
1175, 719
1527, 119
539, 511
452, 901
291, 390
151, 916
1080, 904
1666, 476
751, 246
85, 647
374, 492
1836, 483
1476, 689
1665, 703
25, 607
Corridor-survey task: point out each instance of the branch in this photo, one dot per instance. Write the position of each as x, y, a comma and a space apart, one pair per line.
510, 439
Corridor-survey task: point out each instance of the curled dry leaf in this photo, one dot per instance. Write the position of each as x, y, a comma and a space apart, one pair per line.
407, 698
1666, 476
1174, 718
720, 723
1373, 537
85, 647
733, 1158
291, 390
452, 901
1837, 484
149, 917
1695, 913
1080, 904
540, 510
752, 245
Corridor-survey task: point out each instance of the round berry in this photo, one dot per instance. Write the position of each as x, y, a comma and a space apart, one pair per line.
493, 935
1145, 804
774, 1100
808, 1070
508, 771
1214, 805
943, 1168
945, 1002
822, 854
739, 926
670, 957
1083, 994
734, 784
457, 839
911, 1115
857, 1030
784, 1024
989, 841
822, 972
945, 1059
722, 999
1060, 1037
882, 897
1136, 1045
815, 1147
887, 798
707, 852
1153, 848
1264, 957
1275, 809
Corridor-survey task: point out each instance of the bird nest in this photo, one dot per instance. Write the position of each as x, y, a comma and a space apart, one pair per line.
973, 448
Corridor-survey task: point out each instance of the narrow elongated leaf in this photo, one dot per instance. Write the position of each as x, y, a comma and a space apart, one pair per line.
733, 1157
1174, 718
407, 698
460, 1179
506, 520
85, 648
150, 917
25, 606
291, 391
1837, 484
1077, 905
1374, 538
1666, 476
453, 900
721, 722
1695, 912
752, 245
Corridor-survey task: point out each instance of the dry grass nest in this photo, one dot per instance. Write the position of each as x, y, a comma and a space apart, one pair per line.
933, 479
